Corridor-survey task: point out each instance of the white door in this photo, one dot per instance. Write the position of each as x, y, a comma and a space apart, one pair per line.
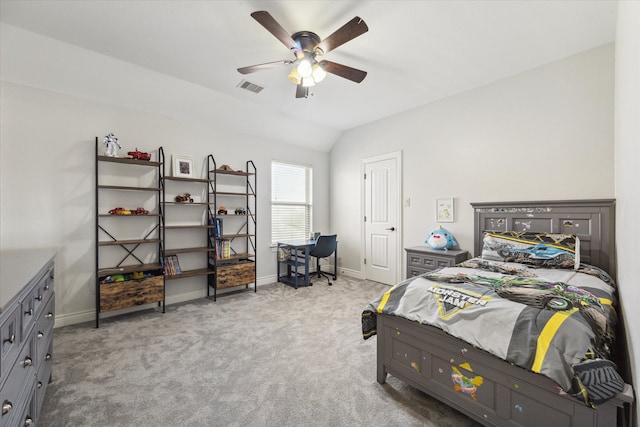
382, 218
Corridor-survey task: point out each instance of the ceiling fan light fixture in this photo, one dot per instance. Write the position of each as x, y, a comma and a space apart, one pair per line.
318, 73
295, 77
304, 68
307, 47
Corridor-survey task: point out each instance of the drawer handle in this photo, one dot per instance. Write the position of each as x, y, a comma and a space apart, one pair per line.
27, 361
29, 312
39, 384
48, 356
40, 335
11, 339
6, 407
390, 228
39, 297
28, 420
48, 315
47, 286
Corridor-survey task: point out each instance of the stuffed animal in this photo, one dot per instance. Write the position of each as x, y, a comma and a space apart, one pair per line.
440, 238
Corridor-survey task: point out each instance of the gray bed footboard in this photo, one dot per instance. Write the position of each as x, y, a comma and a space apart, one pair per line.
482, 386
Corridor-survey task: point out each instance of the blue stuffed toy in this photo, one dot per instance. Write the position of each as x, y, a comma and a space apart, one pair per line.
440, 238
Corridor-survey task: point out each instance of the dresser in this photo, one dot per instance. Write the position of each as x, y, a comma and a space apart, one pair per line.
27, 313
422, 259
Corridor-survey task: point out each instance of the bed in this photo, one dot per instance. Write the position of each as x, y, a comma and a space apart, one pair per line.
500, 383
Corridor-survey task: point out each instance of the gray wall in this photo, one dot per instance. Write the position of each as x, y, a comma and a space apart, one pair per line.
48, 126
540, 135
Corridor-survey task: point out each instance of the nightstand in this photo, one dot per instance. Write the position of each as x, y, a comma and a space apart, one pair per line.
422, 259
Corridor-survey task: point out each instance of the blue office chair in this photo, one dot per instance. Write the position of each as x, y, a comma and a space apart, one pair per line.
325, 247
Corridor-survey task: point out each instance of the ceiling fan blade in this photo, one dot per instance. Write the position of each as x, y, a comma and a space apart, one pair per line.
267, 21
253, 68
347, 32
302, 91
343, 71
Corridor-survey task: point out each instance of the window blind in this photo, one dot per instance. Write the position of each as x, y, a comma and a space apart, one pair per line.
291, 202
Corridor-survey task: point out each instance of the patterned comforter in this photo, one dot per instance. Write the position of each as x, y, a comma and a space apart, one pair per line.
556, 322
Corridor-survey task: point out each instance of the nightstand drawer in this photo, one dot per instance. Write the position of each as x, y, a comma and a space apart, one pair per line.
421, 259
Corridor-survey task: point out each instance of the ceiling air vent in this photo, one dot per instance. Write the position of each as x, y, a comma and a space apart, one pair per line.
251, 87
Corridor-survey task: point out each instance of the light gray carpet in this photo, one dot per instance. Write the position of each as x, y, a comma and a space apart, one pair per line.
278, 357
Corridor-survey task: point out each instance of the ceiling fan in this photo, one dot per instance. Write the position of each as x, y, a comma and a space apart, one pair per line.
307, 48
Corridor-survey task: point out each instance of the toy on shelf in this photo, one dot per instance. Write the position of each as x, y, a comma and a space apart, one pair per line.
139, 211
111, 145
222, 210
441, 238
123, 211
184, 198
120, 211
240, 211
136, 275
139, 155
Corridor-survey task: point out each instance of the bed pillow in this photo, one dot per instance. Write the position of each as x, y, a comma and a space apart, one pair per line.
547, 250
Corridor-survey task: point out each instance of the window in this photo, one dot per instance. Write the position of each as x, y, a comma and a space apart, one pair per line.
291, 206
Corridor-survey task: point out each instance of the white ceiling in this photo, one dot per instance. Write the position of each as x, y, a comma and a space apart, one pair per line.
415, 52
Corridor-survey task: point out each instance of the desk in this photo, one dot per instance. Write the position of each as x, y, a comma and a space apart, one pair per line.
295, 255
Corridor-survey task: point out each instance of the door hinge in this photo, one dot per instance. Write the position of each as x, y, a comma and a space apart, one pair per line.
365, 176
365, 260
365, 219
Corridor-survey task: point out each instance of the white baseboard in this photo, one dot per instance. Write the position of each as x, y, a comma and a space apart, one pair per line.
351, 273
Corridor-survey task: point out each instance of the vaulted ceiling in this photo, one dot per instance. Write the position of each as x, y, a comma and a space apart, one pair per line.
415, 52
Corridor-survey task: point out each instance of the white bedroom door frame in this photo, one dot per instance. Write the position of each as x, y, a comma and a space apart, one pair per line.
381, 220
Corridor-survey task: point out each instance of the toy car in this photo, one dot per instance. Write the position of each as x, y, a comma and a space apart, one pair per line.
222, 210
138, 155
186, 197
120, 211
139, 211
240, 211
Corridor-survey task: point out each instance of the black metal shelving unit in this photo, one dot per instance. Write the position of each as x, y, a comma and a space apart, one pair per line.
134, 277
233, 234
205, 247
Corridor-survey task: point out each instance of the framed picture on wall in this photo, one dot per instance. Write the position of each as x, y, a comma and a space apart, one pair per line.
182, 166
444, 210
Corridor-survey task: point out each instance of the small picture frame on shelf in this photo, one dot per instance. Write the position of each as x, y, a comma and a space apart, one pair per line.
444, 210
182, 166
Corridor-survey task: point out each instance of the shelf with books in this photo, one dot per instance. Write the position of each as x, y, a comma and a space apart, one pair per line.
187, 207
234, 231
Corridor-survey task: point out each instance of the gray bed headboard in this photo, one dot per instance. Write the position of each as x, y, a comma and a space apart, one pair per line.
591, 220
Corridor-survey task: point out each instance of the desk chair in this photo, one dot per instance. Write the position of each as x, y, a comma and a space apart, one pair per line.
325, 247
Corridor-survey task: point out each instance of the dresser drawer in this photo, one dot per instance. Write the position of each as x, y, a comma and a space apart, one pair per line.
27, 416
11, 338
22, 375
43, 290
44, 374
44, 327
28, 308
